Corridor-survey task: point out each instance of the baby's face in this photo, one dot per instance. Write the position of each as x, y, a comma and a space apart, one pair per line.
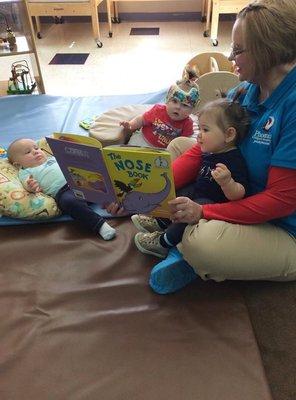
178, 111
26, 153
211, 137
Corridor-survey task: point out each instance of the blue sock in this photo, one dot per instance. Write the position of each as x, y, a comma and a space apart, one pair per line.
171, 274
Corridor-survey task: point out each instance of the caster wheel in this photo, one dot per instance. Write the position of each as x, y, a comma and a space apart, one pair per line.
110, 34
56, 20
203, 19
215, 42
39, 35
206, 34
113, 20
118, 20
62, 20
99, 44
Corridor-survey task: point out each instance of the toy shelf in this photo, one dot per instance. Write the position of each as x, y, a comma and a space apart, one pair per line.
17, 17
23, 46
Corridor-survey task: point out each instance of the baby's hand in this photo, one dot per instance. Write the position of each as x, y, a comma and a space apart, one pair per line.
126, 125
221, 174
32, 185
127, 131
115, 209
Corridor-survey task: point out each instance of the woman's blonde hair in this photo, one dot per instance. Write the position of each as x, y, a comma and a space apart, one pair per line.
270, 32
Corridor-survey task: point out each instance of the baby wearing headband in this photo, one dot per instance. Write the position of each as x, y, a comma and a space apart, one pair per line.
164, 122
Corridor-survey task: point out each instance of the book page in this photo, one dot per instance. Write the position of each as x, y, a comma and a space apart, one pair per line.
72, 137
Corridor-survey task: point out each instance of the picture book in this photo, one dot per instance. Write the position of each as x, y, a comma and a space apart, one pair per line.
138, 178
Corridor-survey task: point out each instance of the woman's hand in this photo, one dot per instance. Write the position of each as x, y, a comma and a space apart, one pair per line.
185, 210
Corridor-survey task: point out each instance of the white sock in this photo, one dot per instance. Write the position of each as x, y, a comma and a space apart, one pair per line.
107, 232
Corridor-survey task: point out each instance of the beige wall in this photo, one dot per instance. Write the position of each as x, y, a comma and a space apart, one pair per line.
159, 6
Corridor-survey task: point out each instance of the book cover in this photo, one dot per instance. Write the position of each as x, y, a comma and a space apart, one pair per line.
138, 178
142, 178
81, 161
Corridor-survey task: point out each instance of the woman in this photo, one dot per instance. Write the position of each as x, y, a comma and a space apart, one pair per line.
252, 238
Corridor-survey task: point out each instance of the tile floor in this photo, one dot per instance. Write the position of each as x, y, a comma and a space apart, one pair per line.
125, 64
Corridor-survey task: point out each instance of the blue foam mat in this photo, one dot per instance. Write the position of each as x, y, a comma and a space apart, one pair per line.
37, 116
4, 221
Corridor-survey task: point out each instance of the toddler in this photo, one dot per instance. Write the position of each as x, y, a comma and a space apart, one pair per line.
164, 122
222, 176
39, 173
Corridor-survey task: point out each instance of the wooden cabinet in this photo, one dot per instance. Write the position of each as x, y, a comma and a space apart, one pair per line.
63, 8
15, 14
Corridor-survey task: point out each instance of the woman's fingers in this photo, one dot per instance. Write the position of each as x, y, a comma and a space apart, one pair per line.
179, 200
179, 203
189, 212
179, 216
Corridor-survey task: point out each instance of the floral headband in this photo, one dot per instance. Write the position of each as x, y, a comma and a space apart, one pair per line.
190, 98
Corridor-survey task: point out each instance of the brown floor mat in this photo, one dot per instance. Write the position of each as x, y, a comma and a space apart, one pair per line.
79, 322
272, 309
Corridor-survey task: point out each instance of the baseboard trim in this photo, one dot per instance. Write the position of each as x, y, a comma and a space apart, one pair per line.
145, 17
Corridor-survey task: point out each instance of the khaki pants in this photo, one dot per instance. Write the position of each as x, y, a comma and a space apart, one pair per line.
220, 250
179, 145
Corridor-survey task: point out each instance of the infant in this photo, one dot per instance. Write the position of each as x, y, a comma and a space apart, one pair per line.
39, 173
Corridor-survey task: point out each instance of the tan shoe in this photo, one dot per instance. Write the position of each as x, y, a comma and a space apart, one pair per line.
149, 243
144, 223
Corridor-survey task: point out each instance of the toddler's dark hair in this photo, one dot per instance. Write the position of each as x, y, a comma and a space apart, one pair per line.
230, 114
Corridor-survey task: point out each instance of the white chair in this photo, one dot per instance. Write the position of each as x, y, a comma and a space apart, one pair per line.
37, 8
215, 75
210, 62
212, 84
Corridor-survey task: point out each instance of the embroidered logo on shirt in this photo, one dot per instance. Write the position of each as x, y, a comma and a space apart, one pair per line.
263, 135
269, 123
261, 138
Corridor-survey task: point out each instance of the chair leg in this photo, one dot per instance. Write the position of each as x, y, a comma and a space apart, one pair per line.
116, 12
38, 27
108, 3
95, 24
215, 22
208, 20
203, 10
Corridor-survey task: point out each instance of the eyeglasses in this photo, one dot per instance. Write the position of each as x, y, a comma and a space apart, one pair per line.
236, 52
